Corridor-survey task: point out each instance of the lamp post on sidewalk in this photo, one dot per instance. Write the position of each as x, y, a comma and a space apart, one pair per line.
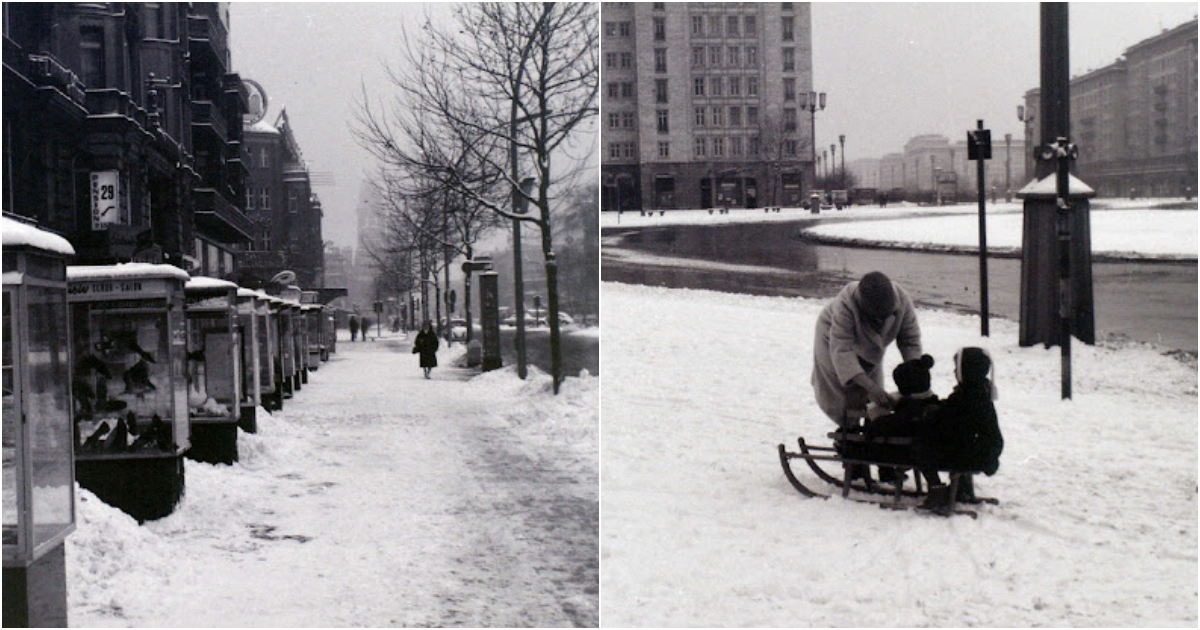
813, 101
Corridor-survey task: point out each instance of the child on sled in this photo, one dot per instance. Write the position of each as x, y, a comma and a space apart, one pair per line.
960, 433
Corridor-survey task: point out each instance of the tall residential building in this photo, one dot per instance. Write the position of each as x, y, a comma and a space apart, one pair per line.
122, 131
1135, 120
701, 104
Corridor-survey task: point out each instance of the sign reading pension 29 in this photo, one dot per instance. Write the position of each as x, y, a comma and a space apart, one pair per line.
106, 198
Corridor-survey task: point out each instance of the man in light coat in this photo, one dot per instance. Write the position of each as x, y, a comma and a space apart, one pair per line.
853, 332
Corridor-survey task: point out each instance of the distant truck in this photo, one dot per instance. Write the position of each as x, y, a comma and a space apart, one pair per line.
841, 199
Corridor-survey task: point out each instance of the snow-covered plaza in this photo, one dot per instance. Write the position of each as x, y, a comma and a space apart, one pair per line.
375, 498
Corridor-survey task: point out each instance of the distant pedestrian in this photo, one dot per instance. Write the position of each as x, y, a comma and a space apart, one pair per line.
366, 325
353, 328
395, 324
426, 344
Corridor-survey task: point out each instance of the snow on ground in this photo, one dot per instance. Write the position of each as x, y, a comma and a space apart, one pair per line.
375, 498
1165, 234
1096, 525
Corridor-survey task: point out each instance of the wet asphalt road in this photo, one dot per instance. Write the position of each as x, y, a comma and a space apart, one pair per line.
1150, 302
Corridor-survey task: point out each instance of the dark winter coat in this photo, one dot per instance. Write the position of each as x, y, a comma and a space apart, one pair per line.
964, 432
426, 344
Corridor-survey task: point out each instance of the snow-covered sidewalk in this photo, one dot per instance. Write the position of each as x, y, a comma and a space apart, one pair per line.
1098, 512
375, 498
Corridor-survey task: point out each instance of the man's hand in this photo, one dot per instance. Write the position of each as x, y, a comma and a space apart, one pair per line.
875, 393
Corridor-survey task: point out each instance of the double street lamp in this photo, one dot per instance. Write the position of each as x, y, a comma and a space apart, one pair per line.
842, 141
813, 102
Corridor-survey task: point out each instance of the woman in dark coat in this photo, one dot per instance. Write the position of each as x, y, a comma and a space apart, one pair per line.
426, 344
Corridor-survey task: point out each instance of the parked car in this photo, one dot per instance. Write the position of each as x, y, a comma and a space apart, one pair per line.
458, 329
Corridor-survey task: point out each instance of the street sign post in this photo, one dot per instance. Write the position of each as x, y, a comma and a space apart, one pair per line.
979, 148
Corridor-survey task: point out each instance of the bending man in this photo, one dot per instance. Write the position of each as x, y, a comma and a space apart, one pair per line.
853, 332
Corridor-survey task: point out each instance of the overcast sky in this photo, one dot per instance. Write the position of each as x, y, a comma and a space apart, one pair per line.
896, 70
891, 70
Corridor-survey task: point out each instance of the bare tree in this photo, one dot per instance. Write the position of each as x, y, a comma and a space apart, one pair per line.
513, 84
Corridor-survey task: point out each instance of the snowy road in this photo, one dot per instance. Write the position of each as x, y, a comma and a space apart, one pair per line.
376, 498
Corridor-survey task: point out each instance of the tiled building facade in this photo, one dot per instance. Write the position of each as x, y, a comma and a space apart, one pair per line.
701, 102
122, 131
1135, 119
928, 159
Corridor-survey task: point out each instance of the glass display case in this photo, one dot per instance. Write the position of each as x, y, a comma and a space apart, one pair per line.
330, 332
249, 331
316, 339
302, 342
287, 349
38, 472
270, 364
214, 356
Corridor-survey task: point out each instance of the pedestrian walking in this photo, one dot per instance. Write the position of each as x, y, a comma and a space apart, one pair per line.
426, 344
366, 325
353, 328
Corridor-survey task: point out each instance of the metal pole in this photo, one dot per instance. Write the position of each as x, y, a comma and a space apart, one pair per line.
1007, 167
1065, 307
813, 117
518, 276
983, 274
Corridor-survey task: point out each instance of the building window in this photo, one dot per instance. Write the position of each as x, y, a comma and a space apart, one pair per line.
786, 6
789, 89
714, 26
697, 56
731, 26
664, 149
614, 90
718, 116
660, 29
627, 90
716, 89
751, 86
735, 147
249, 199
293, 203
660, 59
753, 145
750, 26
614, 150
701, 116
701, 147
264, 199
663, 121
735, 58
697, 25
714, 56
626, 60
698, 86
264, 157
610, 29
735, 116
154, 19
91, 56
627, 120
610, 60
623, 29
660, 90
789, 59
614, 120
789, 30
630, 150
789, 119
752, 116
660, 6
752, 56
789, 147
735, 86
718, 147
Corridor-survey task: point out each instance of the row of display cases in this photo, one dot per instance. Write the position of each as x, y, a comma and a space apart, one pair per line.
112, 374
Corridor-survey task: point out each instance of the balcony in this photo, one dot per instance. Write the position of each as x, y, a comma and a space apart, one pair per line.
206, 116
208, 35
221, 220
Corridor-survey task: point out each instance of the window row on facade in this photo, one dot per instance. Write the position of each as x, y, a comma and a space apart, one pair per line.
706, 146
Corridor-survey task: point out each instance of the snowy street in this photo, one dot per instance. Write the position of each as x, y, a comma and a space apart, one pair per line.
1096, 524
375, 498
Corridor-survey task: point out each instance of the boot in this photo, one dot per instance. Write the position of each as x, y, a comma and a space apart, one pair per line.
891, 476
938, 499
966, 489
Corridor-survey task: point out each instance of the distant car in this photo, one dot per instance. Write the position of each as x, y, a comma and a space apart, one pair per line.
458, 329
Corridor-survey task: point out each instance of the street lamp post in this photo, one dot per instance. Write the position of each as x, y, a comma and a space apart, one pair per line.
1007, 167
813, 101
833, 166
842, 141
1027, 116
825, 159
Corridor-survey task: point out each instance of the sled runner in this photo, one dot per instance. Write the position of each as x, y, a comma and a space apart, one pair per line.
853, 452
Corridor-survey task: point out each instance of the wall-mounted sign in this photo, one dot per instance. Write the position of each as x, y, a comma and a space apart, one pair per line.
106, 199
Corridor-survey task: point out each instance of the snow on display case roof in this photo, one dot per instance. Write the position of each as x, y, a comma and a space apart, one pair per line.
205, 283
1048, 187
244, 292
125, 271
262, 126
14, 233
